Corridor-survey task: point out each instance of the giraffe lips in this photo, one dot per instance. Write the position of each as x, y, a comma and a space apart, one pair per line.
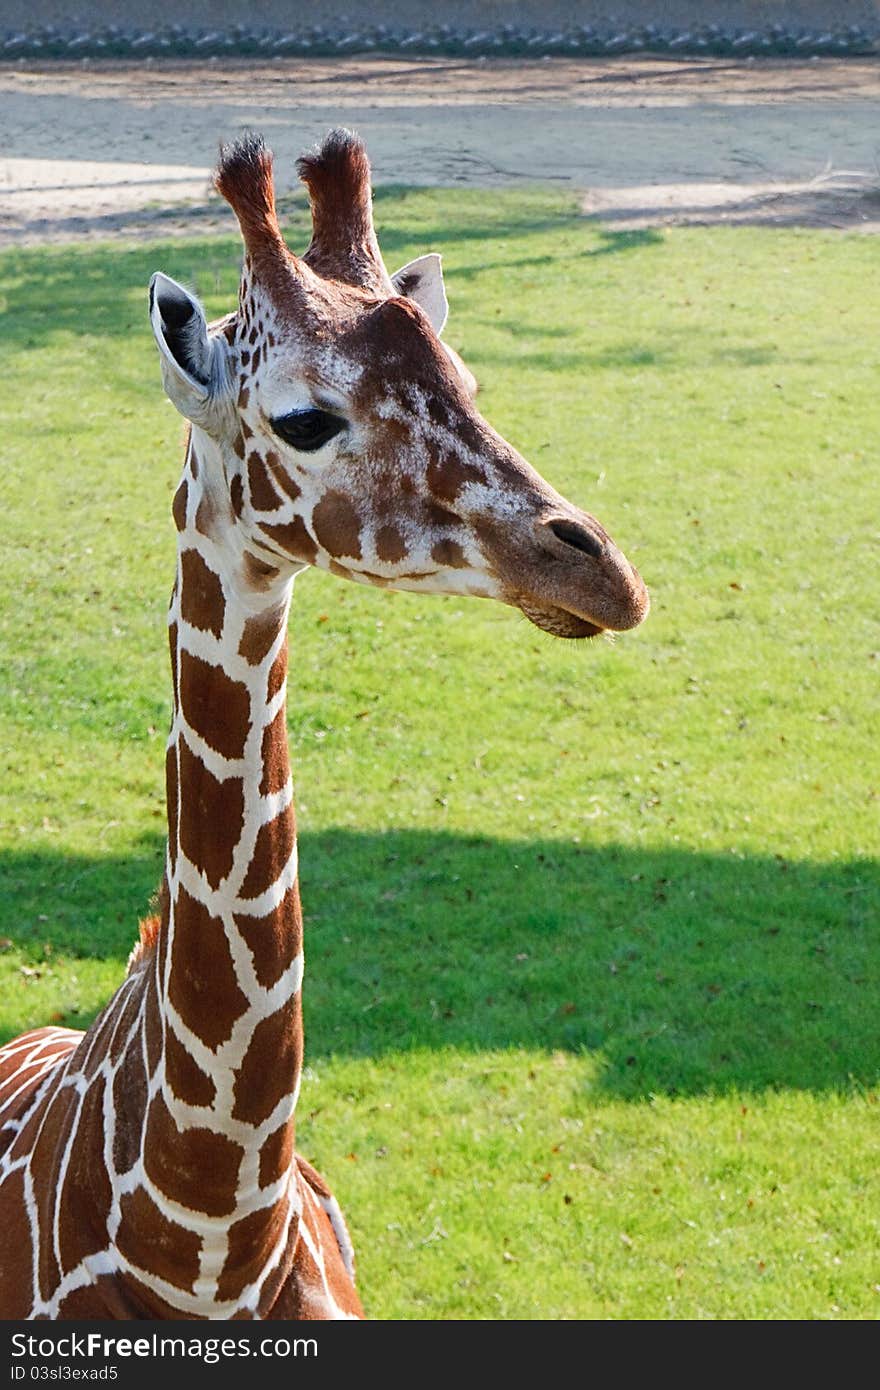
559, 622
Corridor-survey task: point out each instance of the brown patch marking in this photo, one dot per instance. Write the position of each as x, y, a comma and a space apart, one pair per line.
149, 1240
206, 515
294, 538
447, 474
273, 848
53, 1135
125, 1023
276, 763
178, 506
153, 1031
193, 1166
257, 638
23, 1141
172, 646
274, 940
258, 574
104, 1299
211, 825
275, 1052
201, 598
264, 498
281, 476
395, 437
437, 516
390, 545
277, 672
87, 1186
449, 554
251, 1241
276, 1155
313, 1177
215, 706
337, 526
171, 800
185, 1077
16, 1268
203, 986
130, 1103
236, 490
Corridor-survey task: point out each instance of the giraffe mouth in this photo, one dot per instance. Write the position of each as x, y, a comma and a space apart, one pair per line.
559, 622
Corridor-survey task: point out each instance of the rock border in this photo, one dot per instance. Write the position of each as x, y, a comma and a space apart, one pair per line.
442, 40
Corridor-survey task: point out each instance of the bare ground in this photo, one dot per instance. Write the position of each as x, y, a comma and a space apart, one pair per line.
96, 150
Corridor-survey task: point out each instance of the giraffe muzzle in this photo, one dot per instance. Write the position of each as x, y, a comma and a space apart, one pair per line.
580, 584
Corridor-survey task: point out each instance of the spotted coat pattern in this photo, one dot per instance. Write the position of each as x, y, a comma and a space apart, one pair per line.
148, 1167
198, 1205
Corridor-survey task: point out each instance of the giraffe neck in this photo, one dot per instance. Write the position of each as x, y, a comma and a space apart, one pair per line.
219, 1132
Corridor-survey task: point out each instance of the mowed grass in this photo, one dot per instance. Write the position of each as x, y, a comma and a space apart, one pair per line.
592, 929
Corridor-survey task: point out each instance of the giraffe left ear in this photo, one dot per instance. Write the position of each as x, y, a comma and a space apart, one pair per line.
193, 364
421, 281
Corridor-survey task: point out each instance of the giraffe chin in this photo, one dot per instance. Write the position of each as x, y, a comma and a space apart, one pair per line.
559, 622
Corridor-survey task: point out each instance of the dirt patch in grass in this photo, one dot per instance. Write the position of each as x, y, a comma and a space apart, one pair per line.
122, 149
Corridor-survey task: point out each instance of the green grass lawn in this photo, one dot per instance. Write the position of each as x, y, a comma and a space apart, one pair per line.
592, 930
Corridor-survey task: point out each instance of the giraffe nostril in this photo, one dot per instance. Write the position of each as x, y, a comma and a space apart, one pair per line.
570, 533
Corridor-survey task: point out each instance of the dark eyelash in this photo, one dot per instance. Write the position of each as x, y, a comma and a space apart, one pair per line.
308, 430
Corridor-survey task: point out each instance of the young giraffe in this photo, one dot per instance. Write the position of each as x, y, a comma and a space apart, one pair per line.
147, 1168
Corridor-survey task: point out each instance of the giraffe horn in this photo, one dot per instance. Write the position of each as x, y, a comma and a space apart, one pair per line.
244, 178
343, 245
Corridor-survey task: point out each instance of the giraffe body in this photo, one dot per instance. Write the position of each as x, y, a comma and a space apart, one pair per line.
148, 1167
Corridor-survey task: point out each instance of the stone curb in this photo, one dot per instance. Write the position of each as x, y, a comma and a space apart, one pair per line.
179, 41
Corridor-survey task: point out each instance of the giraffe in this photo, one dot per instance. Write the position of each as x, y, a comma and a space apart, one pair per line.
148, 1167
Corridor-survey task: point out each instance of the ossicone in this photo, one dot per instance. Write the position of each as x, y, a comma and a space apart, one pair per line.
343, 245
244, 178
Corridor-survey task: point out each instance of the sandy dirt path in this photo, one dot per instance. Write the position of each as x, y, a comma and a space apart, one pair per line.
105, 149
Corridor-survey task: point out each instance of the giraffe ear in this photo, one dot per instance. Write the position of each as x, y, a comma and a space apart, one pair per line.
422, 282
193, 365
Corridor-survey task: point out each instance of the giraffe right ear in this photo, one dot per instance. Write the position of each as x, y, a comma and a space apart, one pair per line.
422, 281
194, 365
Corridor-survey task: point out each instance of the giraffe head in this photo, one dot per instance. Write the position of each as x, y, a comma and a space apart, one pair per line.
335, 429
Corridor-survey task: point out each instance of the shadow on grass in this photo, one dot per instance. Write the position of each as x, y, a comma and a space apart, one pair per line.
684, 973
101, 289
612, 243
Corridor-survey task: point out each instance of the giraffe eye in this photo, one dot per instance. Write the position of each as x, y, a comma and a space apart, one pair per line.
308, 430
